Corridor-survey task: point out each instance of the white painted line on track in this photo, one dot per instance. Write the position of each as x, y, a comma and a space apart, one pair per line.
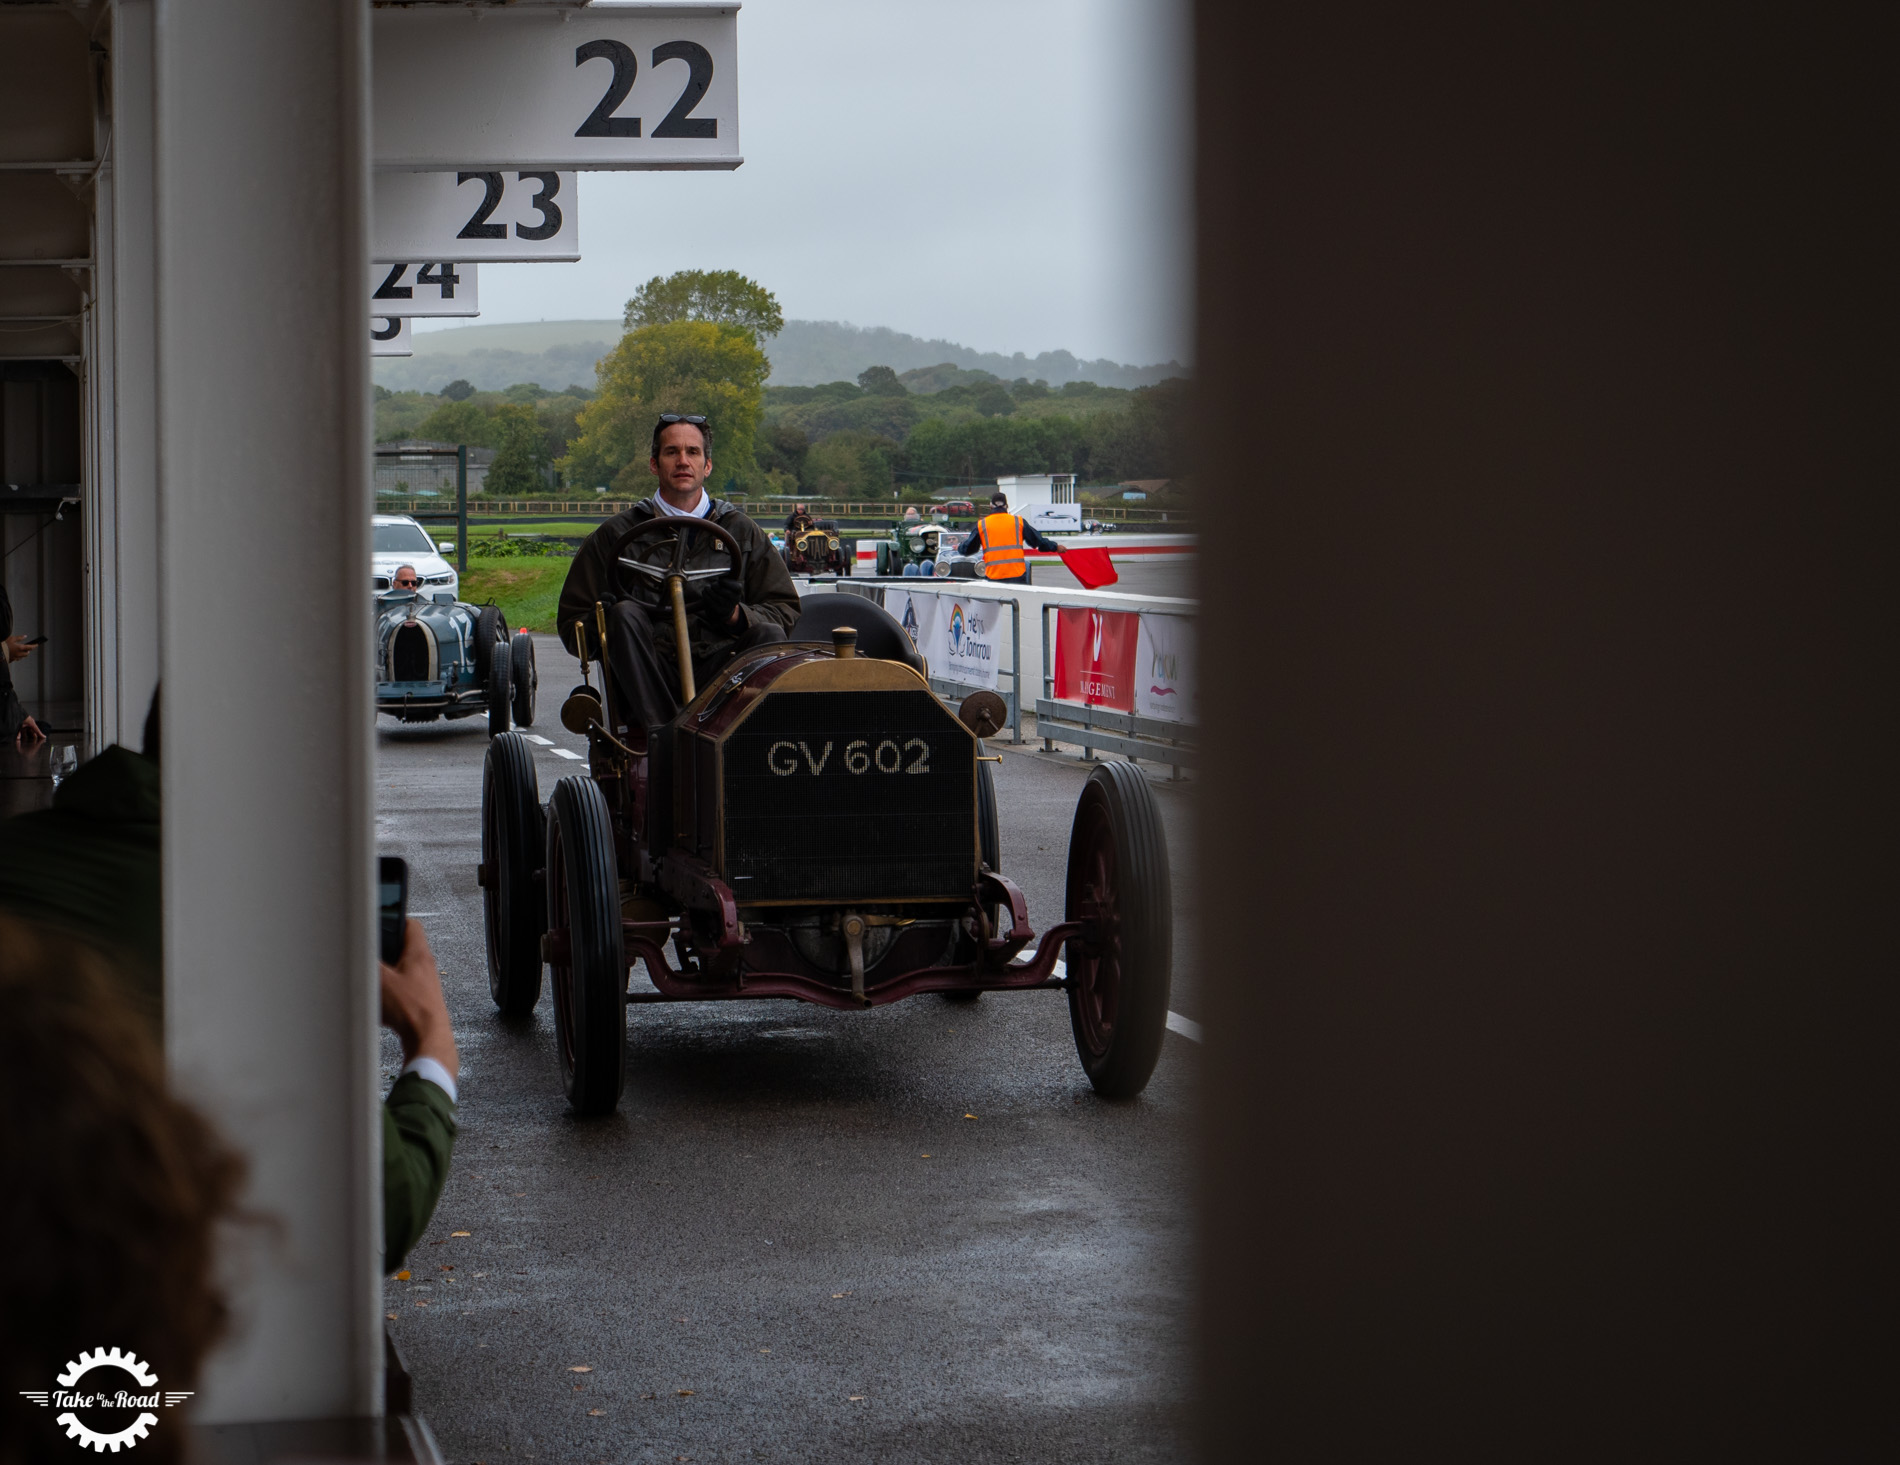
537, 738
1187, 1027
563, 753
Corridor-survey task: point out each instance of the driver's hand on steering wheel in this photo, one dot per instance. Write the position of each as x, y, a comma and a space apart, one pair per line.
719, 600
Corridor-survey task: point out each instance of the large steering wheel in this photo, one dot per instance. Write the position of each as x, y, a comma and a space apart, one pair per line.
645, 581
663, 585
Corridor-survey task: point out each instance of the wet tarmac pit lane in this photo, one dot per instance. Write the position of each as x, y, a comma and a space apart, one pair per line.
910, 1233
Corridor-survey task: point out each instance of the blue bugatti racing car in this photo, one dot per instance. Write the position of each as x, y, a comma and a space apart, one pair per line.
437, 656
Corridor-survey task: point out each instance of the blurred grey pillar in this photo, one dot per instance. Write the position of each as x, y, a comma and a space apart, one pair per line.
1546, 353
262, 174
123, 535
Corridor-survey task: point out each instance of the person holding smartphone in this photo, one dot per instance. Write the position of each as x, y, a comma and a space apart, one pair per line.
15, 726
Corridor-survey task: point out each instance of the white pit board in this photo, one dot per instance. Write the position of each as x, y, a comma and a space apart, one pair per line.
494, 214
600, 87
389, 336
424, 288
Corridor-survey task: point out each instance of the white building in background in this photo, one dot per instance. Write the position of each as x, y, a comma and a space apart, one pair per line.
1046, 500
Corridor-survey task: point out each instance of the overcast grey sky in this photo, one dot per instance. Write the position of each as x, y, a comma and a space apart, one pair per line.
1012, 175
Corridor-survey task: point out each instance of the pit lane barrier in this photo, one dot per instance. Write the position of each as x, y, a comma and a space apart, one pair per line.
940, 589
1092, 726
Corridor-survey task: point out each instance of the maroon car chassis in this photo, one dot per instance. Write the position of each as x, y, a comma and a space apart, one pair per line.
722, 974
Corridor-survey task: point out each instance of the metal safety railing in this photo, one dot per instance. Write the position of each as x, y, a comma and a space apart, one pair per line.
1077, 723
873, 591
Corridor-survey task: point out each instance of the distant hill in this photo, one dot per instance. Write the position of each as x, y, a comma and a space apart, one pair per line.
808, 352
556, 352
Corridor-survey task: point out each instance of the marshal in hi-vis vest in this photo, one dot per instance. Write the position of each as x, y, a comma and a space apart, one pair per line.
1003, 557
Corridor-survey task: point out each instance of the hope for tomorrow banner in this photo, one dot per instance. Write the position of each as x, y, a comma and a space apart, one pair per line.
957, 635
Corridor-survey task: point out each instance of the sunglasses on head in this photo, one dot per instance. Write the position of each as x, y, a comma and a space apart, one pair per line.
669, 418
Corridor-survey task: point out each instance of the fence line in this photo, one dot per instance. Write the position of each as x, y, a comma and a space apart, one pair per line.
1092, 727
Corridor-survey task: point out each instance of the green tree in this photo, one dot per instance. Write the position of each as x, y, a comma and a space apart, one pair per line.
849, 465
692, 366
881, 381
723, 297
459, 390
516, 471
460, 421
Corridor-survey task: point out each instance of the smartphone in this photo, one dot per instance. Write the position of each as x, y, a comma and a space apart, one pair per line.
393, 886
36, 641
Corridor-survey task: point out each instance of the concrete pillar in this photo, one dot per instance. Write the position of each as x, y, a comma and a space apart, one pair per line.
123, 529
1550, 696
263, 519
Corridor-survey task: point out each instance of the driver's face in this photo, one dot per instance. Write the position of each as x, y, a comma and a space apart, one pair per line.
682, 464
406, 579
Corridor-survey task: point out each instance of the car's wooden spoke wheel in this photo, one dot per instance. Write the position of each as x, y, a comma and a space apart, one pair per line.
513, 905
1121, 968
587, 967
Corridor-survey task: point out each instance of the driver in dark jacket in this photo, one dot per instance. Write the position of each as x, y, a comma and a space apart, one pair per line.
724, 616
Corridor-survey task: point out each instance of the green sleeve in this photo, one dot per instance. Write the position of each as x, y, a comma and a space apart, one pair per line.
418, 1137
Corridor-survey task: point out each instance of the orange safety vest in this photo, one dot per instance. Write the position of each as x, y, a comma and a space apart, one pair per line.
1002, 536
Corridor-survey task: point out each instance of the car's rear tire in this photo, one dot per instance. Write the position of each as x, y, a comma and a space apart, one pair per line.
514, 905
523, 678
590, 989
490, 630
1120, 973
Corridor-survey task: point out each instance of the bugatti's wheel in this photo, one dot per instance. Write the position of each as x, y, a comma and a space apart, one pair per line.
883, 560
523, 678
514, 908
497, 695
590, 983
490, 629
1121, 967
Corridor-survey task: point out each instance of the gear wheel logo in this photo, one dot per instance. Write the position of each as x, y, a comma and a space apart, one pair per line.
69, 1399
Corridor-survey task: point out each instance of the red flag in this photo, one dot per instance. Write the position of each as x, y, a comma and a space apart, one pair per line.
1091, 566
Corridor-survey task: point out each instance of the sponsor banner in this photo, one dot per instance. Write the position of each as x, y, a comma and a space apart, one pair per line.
919, 615
1164, 668
1095, 657
970, 628
958, 636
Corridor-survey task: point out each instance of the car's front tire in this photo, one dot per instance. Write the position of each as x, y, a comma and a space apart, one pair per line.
1121, 971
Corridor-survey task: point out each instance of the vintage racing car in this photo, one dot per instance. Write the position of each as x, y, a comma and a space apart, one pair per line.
930, 547
815, 824
818, 551
437, 656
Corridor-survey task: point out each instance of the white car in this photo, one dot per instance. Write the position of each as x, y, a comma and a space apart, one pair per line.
397, 540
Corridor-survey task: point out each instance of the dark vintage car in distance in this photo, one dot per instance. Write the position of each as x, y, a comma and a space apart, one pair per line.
438, 657
818, 551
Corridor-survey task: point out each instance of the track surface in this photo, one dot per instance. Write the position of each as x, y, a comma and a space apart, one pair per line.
790, 1243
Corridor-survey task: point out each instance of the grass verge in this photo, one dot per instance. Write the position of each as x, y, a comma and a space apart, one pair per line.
527, 589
